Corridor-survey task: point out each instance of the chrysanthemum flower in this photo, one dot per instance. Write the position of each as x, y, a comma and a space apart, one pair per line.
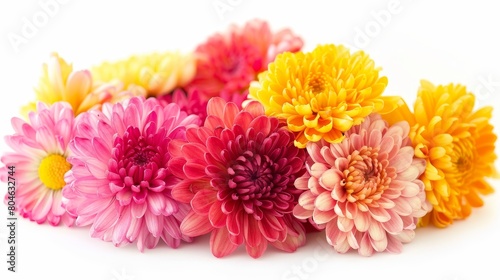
60, 83
228, 62
458, 144
155, 73
237, 172
365, 190
323, 93
120, 183
192, 101
40, 159
189, 102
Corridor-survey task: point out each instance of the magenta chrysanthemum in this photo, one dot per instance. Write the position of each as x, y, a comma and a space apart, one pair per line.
364, 190
237, 172
189, 102
120, 183
228, 62
39, 159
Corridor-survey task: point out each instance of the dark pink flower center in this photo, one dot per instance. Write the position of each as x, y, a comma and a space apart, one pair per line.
252, 177
138, 164
260, 176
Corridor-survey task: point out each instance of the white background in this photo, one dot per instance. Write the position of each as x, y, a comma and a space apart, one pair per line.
438, 41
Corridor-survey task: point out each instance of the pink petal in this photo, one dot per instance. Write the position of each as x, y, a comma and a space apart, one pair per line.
365, 246
403, 159
134, 229
153, 223
138, 209
402, 207
324, 201
394, 225
323, 217
301, 213
351, 210
171, 227
106, 219
156, 203
362, 221
306, 200
379, 214
344, 224
89, 207
376, 231
352, 240
330, 179
42, 206
394, 245
121, 227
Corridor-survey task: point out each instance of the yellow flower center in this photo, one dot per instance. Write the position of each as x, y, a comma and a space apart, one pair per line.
316, 83
462, 158
52, 170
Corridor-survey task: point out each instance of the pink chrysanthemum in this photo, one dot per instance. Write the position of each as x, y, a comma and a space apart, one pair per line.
228, 62
39, 159
364, 190
189, 102
192, 102
120, 183
237, 172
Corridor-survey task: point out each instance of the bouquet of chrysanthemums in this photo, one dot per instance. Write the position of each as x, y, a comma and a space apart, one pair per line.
251, 140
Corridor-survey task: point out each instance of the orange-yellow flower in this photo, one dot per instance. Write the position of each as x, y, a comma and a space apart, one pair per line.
458, 144
60, 83
323, 93
155, 73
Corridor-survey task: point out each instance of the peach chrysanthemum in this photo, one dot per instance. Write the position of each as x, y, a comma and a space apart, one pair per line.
59, 82
365, 190
458, 144
156, 73
323, 93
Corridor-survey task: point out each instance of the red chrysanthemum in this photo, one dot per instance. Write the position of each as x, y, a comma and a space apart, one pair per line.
238, 173
228, 62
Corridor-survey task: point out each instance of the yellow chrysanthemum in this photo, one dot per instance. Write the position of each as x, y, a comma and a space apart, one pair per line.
458, 145
60, 83
156, 73
323, 93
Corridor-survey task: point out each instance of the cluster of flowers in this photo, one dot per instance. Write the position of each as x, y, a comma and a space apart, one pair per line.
251, 140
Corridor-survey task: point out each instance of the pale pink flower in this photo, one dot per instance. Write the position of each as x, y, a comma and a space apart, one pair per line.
364, 190
237, 172
39, 162
120, 183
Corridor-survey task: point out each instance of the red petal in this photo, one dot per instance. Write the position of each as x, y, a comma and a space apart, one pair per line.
202, 201
251, 231
216, 216
196, 225
220, 243
194, 170
257, 251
